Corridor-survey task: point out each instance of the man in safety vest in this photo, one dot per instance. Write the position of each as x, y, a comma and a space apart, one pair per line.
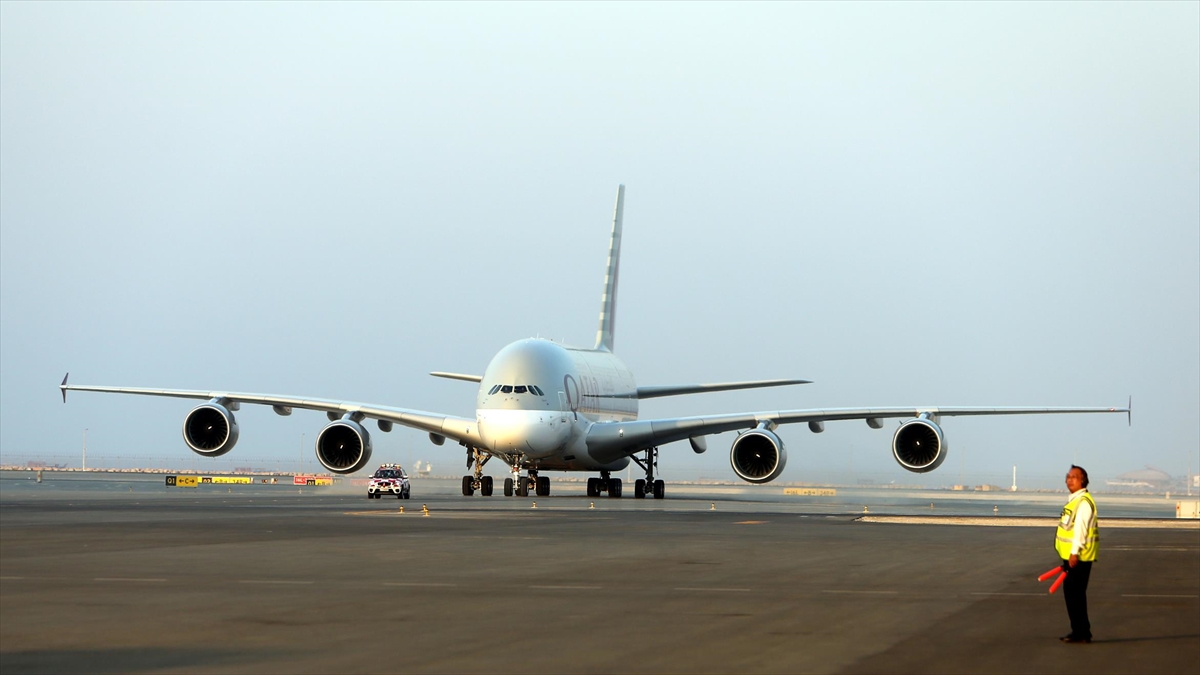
1077, 541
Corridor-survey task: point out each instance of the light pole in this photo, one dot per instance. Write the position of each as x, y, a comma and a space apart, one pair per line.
301, 453
85, 449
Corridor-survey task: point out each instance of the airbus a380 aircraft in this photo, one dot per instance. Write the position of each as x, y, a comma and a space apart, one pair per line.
542, 406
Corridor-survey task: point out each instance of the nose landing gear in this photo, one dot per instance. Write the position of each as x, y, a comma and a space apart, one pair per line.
521, 485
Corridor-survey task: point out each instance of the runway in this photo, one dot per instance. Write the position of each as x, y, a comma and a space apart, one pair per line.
134, 577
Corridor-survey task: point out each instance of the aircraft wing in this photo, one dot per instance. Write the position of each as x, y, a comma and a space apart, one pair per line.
681, 389
609, 441
460, 429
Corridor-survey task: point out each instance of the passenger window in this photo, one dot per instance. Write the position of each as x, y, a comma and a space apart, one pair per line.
519, 389
506, 389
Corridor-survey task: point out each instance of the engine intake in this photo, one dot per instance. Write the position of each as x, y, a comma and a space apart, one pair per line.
758, 456
210, 430
344, 446
919, 445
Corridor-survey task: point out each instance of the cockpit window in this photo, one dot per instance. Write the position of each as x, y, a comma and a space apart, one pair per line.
493, 390
519, 389
506, 389
536, 389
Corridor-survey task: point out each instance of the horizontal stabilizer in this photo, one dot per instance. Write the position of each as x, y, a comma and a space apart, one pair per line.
458, 376
681, 389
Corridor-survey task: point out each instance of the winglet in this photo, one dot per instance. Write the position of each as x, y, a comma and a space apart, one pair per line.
63, 387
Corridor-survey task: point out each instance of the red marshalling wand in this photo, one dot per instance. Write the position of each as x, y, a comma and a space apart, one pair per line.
1062, 575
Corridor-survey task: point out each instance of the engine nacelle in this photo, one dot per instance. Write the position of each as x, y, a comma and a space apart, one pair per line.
210, 430
758, 456
919, 445
344, 446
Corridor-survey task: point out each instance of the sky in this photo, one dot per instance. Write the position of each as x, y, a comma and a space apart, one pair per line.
984, 204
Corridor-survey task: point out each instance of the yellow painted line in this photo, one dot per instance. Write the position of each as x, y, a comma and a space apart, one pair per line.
750, 522
714, 590
275, 581
568, 588
1034, 595
865, 592
417, 583
1136, 595
124, 579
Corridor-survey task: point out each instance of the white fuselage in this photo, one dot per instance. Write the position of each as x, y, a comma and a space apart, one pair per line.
537, 400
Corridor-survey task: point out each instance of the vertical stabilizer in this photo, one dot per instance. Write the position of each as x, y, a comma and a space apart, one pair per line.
608, 302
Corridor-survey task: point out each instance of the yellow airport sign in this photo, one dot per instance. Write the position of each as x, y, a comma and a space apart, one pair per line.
231, 479
183, 481
811, 492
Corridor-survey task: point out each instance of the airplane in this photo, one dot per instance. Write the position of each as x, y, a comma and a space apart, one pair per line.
544, 406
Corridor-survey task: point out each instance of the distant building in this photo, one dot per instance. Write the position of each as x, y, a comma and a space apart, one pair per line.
1149, 477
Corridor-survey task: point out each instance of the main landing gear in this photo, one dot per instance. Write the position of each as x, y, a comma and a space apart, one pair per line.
477, 481
604, 484
648, 485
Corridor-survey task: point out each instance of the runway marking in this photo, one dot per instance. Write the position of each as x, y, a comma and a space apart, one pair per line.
750, 522
864, 592
10, 578
1153, 548
568, 588
274, 581
417, 583
714, 590
1033, 595
125, 579
1149, 595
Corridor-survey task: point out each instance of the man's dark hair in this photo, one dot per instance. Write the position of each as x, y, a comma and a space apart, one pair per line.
1082, 471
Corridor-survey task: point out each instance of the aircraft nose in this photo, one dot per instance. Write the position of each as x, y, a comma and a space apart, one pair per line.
523, 431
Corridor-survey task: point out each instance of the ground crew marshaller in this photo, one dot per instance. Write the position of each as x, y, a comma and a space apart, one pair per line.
1077, 541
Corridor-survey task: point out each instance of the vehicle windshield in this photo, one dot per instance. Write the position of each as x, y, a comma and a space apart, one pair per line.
386, 473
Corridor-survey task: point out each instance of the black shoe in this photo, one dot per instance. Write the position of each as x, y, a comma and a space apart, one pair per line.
1075, 640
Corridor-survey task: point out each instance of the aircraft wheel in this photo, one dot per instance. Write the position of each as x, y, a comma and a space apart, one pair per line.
614, 487
660, 489
639, 489
522, 487
508, 487
468, 486
485, 486
593, 487
543, 486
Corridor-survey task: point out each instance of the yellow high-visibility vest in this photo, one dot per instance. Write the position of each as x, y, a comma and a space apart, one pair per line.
1065, 536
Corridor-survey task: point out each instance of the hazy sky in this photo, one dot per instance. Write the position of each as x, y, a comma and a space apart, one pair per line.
930, 204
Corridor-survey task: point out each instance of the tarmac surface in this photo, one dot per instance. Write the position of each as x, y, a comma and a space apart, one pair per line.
126, 575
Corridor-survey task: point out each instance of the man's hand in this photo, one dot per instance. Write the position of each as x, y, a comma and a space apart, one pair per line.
1073, 560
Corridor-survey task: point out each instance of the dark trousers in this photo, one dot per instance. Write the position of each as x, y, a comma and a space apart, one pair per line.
1075, 593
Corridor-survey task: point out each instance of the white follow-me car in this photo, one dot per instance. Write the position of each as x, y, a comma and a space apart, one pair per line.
388, 479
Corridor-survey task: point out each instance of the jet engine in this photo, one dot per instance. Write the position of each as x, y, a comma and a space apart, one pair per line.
919, 445
344, 446
210, 430
758, 456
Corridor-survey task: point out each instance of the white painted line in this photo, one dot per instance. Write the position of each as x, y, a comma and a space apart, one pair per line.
416, 583
865, 592
274, 581
124, 579
1034, 595
568, 588
1139, 595
715, 590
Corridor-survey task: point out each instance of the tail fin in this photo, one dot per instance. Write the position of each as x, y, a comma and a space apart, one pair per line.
608, 302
